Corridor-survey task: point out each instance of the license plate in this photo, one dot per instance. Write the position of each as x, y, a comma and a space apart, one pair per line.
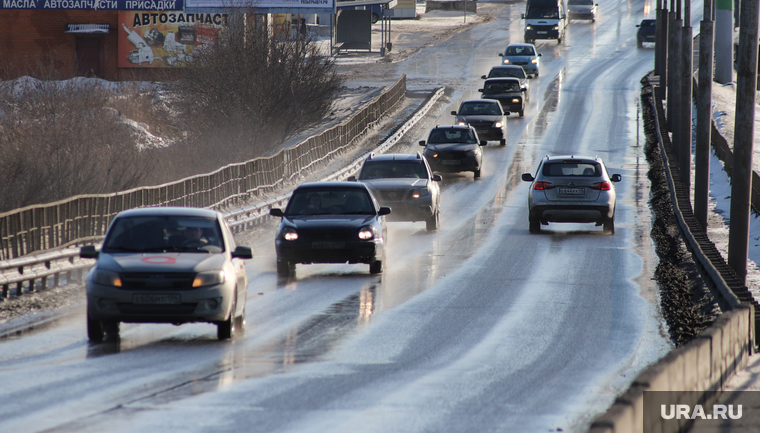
451, 162
156, 298
542, 33
572, 191
328, 245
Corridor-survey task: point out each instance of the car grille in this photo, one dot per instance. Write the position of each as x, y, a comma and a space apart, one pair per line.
151, 281
326, 236
392, 194
157, 309
543, 28
481, 125
451, 155
520, 63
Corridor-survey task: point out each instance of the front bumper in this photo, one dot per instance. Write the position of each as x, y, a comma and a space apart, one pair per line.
542, 33
453, 165
205, 304
329, 252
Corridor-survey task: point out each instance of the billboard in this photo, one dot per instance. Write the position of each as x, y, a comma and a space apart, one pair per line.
265, 6
165, 39
93, 5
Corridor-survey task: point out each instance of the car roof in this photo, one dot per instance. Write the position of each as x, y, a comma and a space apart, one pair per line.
331, 184
170, 210
453, 127
506, 67
502, 79
483, 101
583, 158
395, 157
521, 45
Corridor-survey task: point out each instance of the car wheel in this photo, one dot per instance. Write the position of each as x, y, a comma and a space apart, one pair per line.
534, 225
240, 321
522, 113
503, 142
609, 226
536, 74
376, 267
111, 328
226, 329
639, 44
432, 222
94, 330
283, 268
477, 173
375, 18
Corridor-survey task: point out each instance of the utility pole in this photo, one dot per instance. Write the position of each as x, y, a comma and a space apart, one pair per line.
741, 178
661, 46
724, 41
704, 118
686, 105
672, 56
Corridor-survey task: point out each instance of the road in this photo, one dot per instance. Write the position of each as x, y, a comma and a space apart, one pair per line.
480, 326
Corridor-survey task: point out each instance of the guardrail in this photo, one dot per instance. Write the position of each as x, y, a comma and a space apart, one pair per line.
32, 273
712, 357
85, 218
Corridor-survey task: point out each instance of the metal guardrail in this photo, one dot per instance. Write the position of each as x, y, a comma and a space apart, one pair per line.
33, 272
85, 218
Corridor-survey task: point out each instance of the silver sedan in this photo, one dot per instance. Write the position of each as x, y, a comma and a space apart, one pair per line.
571, 189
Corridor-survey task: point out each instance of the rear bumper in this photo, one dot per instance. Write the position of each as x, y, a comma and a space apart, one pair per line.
571, 213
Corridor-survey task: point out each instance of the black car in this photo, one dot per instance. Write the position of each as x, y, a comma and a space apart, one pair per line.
646, 32
486, 116
507, 91
331, 222
454, 149
511, 71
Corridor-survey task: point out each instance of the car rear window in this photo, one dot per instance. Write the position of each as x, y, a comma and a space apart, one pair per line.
581, 169
393, 169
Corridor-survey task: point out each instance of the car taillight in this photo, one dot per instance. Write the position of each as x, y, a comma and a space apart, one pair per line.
543, 185
601, 186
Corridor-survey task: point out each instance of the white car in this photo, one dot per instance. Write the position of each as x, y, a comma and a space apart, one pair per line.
166, 265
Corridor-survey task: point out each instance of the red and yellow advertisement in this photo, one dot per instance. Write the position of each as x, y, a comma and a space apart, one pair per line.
150, 39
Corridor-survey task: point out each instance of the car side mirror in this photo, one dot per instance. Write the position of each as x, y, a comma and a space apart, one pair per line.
524, 89
275, 212
480, 90
242, 253
384, 210
437, 178
351, 178
638, 25
483, 142
539, 54
453, 113
482, 77
527, 177
522, 16
616, 178
422, 142
501, 54
88, 252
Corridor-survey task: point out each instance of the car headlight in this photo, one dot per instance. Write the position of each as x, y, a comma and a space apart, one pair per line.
106, 278
556, 27
534, 61
471, 153
515, 100
498, 125
366, 233
289, 234
424, 192
528, 28
208, 278
506, 61
462, 123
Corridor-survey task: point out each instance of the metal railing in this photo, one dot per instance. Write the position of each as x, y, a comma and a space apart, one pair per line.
85, 218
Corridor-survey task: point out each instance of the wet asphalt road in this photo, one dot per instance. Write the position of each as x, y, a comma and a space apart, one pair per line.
477, 327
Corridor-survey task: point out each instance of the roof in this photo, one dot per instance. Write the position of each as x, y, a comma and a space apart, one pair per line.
165, 211
396, 157
502, 79
486, 101
572, 157
453, 127
335, 184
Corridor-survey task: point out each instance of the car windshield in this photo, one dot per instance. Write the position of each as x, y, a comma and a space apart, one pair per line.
507, 72
330, 201
393, 170
519, 51
452, 135
502, 87
582, 169
648, 23
164, 233
543, 12
480, 108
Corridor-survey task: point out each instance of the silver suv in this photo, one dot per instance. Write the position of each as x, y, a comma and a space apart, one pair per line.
571, 189
406, 184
